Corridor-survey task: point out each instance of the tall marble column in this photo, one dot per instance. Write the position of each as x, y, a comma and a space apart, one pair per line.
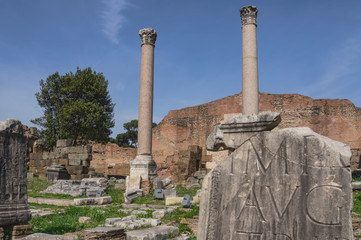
250, 97
143, 165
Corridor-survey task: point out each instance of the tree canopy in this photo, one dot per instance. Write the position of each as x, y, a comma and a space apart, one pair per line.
75, 106
130, 137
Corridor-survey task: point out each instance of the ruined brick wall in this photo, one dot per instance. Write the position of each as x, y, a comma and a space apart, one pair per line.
337, 119
112, 160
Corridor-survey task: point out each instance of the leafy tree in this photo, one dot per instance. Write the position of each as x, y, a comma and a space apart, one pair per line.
130, 137
76, 106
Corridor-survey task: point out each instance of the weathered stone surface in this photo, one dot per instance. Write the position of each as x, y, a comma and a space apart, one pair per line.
227, 135
44, 236
52, 201
104, 233
57, 172
77, 188
178, 200
85, 220
14, 208
285, 184
129, 196
143, 166
187, 201
93, 201
158, 194
170, 193
156, 233
133, 183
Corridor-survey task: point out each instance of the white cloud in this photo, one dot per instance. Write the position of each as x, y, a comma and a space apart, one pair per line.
113, 18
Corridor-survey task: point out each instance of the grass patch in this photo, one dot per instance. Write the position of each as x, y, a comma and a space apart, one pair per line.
183, 191
357, 202
68, 221
357, 179
117, 195
148, 199
179, 215
36, 185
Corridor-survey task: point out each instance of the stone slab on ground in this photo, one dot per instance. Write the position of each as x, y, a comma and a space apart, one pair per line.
144, 206
283, 184
178, 200
153, 233
51, 201
93, 201
44, 236
104, 233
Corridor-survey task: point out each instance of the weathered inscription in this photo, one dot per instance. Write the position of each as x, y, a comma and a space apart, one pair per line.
289, 184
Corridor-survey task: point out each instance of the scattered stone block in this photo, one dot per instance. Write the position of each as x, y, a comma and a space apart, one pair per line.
138, 212
158, 214
170, 193
193, 185
104, 233
93, 201
133, 194
158, 194
178, 200
85, 220
187, 201
356, 186
151, 221
133, 183
57, 172
20, 231
157, 183
111, 221
130, 218
44, 236
159, 232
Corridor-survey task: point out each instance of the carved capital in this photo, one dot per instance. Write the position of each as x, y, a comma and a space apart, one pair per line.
148, 36
249, 15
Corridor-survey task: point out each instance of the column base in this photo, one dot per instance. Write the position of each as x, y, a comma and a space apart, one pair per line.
143, 166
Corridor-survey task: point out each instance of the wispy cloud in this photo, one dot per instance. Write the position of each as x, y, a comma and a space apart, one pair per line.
341, 65
113, 18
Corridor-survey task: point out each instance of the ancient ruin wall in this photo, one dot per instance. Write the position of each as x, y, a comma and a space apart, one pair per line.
111, 160
337, 119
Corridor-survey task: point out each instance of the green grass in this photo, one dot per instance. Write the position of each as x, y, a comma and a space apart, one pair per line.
68, 222
117, 195
148, 199
183, 191
180, 214
357, 202
36, 185
358, 179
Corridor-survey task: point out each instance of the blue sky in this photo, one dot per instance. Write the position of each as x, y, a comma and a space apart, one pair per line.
307, 47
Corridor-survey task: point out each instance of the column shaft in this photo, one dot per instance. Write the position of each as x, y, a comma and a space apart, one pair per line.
250, 102
146, 101
250, 96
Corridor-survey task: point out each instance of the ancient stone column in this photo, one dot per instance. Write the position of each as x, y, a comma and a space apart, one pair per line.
148, 36
143, 166
250, 102
14, 208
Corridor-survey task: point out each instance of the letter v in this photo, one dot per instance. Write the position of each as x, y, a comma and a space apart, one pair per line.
280, 213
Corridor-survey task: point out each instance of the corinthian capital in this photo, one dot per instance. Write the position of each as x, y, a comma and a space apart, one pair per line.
249, 15
148, 36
